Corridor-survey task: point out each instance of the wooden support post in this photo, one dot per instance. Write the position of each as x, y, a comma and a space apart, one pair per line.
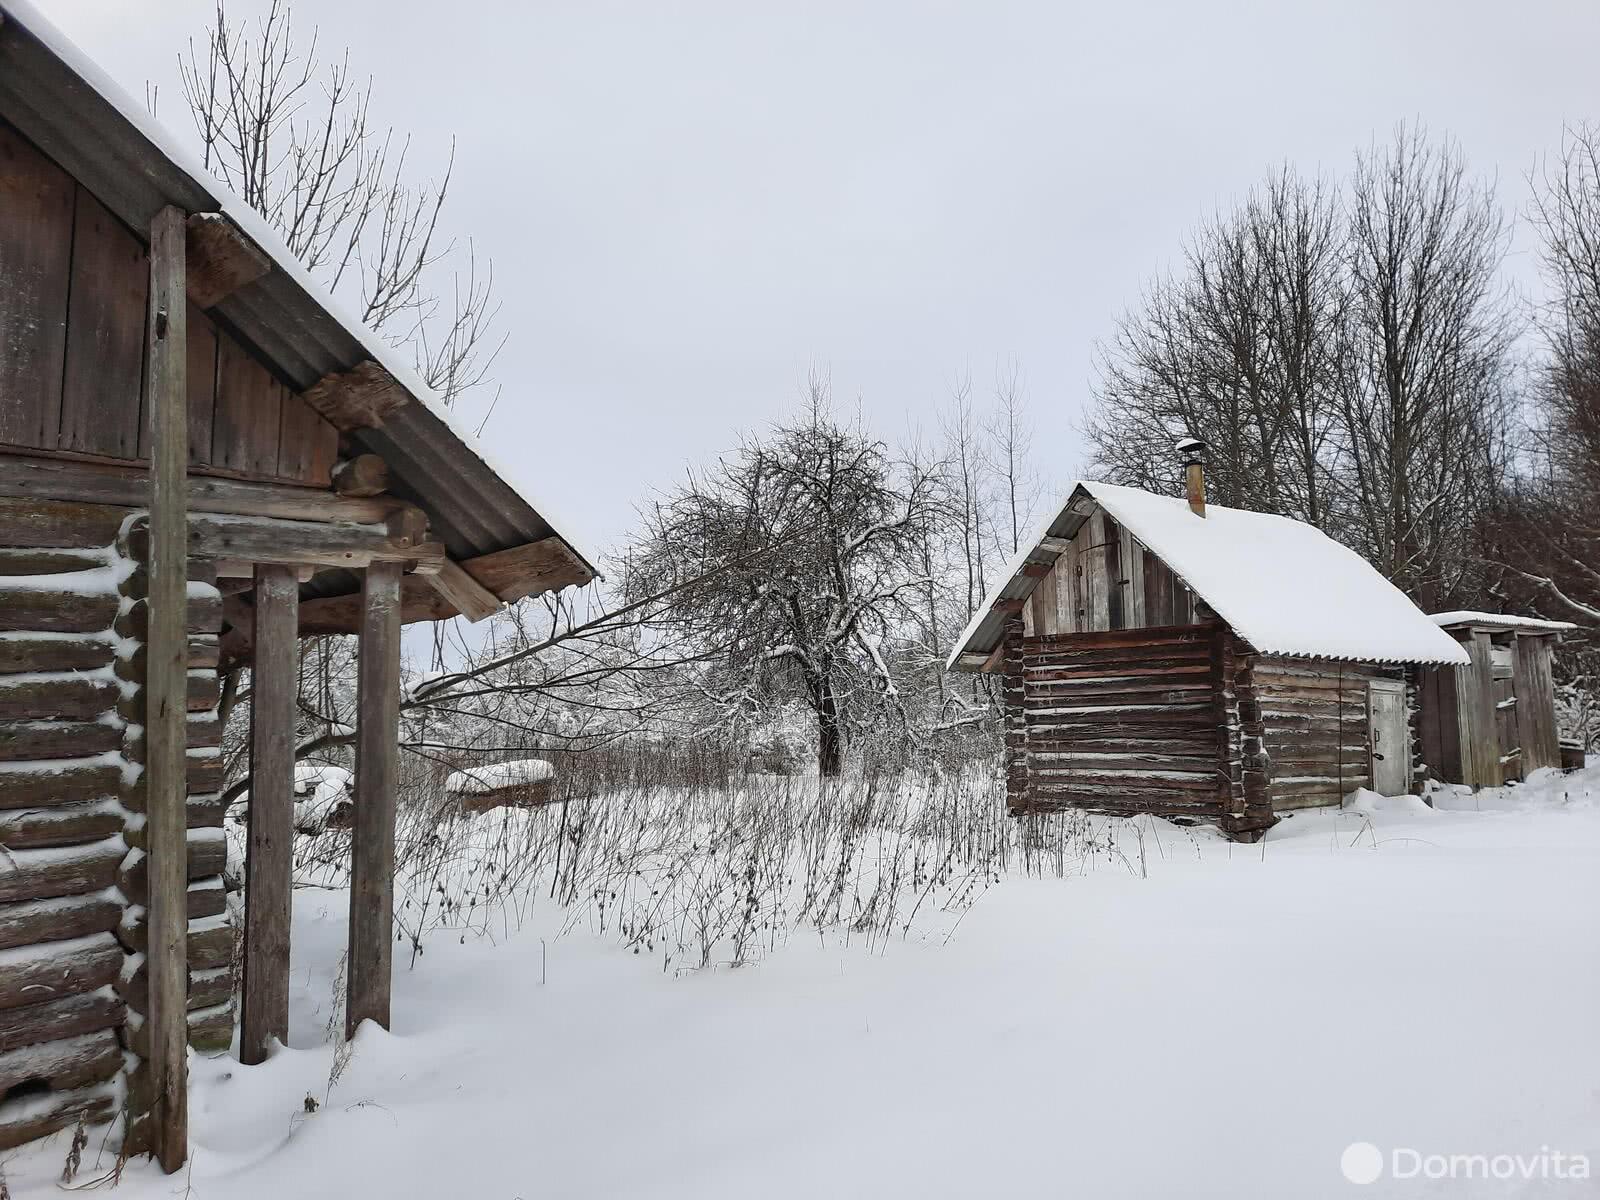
166, 690
377, 744
264, 1011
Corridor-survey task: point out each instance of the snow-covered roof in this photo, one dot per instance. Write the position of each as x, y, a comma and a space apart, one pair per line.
1500, 621
491, 777
57, 110
1282, 585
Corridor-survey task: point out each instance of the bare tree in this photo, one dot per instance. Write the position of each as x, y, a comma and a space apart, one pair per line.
824, 613
1423, 391
292, 134
1543, 537
1237, 348
1011, 450
964, 451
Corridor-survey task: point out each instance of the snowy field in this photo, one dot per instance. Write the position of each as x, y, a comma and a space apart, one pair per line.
1425, 981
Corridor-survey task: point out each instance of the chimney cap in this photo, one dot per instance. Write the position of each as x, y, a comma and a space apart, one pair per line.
1191, 449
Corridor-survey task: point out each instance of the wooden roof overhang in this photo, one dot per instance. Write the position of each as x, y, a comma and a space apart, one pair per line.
486, 527
979, 645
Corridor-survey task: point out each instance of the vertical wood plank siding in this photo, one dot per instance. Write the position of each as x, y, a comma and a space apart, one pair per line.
102, 379
36, 199
74, 288
1536, 704
1106, 581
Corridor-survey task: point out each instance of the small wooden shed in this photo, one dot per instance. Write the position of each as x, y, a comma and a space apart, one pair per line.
1197, 662
175, 398
1493, 720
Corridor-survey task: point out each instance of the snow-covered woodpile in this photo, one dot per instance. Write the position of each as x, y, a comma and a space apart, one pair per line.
1494, 720
73, 881
520, 783
1198, 662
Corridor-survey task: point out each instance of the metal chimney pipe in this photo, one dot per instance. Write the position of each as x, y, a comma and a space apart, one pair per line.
1192, 454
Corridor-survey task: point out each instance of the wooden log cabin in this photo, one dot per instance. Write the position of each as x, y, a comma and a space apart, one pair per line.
1492, 721
1196, 662
201, 461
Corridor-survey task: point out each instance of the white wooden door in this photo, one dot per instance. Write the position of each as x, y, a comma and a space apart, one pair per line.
1386, 735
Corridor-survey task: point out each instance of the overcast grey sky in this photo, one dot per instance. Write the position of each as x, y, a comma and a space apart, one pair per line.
690, 204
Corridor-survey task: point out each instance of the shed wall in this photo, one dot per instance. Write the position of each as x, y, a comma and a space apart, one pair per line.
1106, 581
1120, 722
72, 986
1314, 720
74, 284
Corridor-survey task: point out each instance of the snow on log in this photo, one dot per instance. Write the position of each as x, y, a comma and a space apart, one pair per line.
520, 783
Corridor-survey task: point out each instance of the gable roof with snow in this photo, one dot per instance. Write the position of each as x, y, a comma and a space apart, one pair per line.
1280, 584
62, 102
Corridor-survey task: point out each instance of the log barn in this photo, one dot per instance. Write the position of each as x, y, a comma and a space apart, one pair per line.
1494, 720
1200, 663
201, 461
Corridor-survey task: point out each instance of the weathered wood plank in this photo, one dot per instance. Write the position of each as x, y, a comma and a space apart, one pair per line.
55, 610
59, 824
248, 413
101, 381
28, 482
35, 265
547, 565
58, 969
25, 1119
1537, 730
307, 444
372, 838
200, 381
55, 524
465, 594
67, 652
57, 920
312, 543
166, 686
56, 697
43, 874
264, 1006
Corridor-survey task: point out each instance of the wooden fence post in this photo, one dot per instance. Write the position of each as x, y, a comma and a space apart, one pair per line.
377, 745
269, 859
167, 689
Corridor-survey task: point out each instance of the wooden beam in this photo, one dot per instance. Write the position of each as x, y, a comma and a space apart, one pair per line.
166, 690
237, 570
221, 259
359, 398
363, 475
269, 856
107, 483
372, 834
305, 543
547, 565
419, 601
469, 597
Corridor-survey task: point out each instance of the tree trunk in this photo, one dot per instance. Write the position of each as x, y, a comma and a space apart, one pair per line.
830, 737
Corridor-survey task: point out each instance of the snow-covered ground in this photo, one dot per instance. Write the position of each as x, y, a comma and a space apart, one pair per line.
1424, 981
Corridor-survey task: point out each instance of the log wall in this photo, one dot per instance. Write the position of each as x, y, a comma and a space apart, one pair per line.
74, 286
1106, 581
73, 880
1121, 723
1315, 732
